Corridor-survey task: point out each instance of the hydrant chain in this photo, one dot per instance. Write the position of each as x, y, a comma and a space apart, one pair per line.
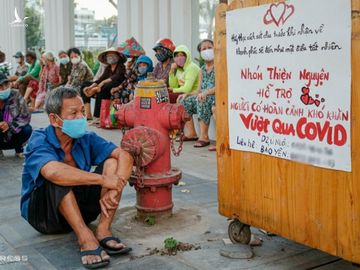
180, 148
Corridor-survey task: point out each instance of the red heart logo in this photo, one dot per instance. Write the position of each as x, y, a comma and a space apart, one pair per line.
305, 90
289, 10
277, 12
267, 18
311, 101
305, 99
317, 103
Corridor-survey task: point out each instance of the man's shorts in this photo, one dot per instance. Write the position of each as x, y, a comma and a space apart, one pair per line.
44, 215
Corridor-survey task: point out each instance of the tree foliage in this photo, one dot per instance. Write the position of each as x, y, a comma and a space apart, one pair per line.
33, 30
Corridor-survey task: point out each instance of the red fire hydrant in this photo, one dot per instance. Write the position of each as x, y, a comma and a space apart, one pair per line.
153, 119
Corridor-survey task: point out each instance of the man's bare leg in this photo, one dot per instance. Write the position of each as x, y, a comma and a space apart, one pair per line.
123, 168
69, 208
28, 92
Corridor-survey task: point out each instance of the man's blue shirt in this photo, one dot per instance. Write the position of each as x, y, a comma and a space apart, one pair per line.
44, 146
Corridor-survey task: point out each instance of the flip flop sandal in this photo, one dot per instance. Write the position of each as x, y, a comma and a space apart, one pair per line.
94, 123
111, 250
96, 252
187, 139
37, 111
199, 144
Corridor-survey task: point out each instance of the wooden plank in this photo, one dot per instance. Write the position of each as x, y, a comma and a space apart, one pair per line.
222, 134
313, 206
311, 259
355, 5
339, 265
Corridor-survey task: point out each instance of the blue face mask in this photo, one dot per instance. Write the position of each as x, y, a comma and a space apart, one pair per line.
64, 60
75, 128
4, 94
142, 70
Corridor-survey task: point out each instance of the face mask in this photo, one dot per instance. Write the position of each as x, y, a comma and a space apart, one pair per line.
162, 57
180, 60
207, 55
75, 60
142, 70
4, 94
64, 60
75, 128
111, 60
18, 60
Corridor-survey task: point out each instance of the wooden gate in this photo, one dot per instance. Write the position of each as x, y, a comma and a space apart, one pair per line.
313, 206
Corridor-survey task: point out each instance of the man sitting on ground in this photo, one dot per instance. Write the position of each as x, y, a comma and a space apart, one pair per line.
59, 193
31, 78
22, 67
15, 129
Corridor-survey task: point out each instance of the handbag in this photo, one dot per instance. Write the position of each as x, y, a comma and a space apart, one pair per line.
108, 112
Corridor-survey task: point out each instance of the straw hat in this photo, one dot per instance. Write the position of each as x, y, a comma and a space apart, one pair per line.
102, 56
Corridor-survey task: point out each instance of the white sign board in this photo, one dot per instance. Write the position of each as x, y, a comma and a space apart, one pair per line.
289, 74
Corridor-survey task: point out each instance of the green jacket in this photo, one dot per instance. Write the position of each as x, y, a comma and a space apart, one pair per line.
186, 79
33, 71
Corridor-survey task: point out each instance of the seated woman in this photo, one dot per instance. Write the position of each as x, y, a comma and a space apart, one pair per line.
164, 52
80, 71
201, 103
132, 50
49, 79
144, 65
126, 89
113, 75
184, 74
65, 67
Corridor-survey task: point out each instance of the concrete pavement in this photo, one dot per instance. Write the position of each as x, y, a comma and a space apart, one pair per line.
195, 221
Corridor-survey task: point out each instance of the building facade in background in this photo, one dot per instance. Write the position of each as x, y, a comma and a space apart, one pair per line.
98, 24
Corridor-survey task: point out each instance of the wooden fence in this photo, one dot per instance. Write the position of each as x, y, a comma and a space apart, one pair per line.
313, 206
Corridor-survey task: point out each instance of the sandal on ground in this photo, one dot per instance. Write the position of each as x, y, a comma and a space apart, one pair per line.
112, 250
37, 111
187, 139
212, 148
94, 122
96, 252
199, 144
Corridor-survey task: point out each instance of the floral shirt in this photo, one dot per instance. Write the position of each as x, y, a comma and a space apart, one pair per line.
15, 112
208, 79
80, 73
49, 77
161, 73
65, 71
